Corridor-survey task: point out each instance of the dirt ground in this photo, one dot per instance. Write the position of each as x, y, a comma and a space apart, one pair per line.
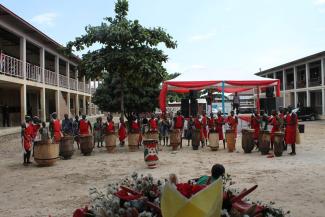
295, 183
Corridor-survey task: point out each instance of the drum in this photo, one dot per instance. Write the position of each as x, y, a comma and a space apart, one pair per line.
46, 153
247, 140
278, 143
151, 153
231, 140
214, 141
110, 141
66, 146
264, 140
86, 144
152, 135
196, 139
133, 140
175, 138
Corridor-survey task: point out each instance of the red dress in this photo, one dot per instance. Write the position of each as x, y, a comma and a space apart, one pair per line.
291, 127
233, 121
27, 137
83, 127
153, 125
198, 126
35, 130
110, 127
179, 121
275, 127
255, 124
204, 126
220, 121
122, 132
57, 130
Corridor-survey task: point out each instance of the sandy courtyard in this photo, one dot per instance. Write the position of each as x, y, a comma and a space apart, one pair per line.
294, 183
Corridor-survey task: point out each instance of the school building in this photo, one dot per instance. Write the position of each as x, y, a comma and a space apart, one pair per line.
35, 77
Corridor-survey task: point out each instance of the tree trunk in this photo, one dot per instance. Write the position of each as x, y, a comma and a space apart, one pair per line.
122, 94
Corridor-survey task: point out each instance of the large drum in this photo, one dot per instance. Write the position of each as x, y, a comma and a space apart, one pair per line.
110, 141
264, 141
196, 139
86, 144
247, 140
151, 135
66, 146
278, 143
214, 141
175, 138
231, 140
46, 153
133, 140
151, 152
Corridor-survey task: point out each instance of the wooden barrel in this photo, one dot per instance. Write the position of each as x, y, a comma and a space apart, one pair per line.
175, 138
196, 139
110, 141
46, 153
278, 143
151, 135
86, 144
151, 153
264, 141
231, 140
66, 146
133, 140
214, 141
247, 140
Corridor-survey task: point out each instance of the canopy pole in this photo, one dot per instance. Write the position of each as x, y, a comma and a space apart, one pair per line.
223, 98
258, 106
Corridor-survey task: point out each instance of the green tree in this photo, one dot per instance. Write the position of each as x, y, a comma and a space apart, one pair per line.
129, 62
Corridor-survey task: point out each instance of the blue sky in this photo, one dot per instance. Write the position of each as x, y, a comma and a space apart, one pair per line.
233, 37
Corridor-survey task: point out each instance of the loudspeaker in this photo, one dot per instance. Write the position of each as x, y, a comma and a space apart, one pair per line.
185, 105
268, 104
269, 92
194, 107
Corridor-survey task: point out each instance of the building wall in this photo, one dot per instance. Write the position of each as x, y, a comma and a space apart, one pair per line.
10, 97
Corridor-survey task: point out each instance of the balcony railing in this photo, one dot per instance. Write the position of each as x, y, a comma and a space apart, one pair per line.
50, 77
33, 73
73, 84
81, 86
11, 66
87, 88
63, 81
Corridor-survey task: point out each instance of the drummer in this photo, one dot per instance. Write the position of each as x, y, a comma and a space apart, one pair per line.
211, 123
84, 126
75, 130
153, 124
264, 120
67, 125
109, 125
55, 128
232, 121
198, 126
291, 121
26, 135
179, 123
276, 125
220, 122
98, 132
122, 131
255, 124
204, 127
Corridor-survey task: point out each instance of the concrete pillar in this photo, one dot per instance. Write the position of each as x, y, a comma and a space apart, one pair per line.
308, 98
77, 104
57, 102
77, 80
22, 53
307, 75
42, 63
68, 103
323, 101
294, 78
84, 82
322, 72
295, 98
84, 104
284, 87
23, 102
57, 69
43, 106
67, 69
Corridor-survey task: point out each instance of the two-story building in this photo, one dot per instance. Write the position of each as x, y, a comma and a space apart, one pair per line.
302, 81
35, 77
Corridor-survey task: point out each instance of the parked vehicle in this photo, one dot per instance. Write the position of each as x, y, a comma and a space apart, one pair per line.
306, 113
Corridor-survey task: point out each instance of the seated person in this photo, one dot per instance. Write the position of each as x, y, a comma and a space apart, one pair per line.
217, 171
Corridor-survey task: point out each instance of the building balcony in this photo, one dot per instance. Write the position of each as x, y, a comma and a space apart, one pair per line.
13, 67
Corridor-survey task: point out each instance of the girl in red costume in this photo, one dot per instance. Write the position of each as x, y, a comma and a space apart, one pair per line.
291, 121
275, 122
26, 135
55, 128
122, 131
220, 121
255, 124
84, 126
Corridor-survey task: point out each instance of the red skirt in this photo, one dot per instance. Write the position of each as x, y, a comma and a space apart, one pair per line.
290, 135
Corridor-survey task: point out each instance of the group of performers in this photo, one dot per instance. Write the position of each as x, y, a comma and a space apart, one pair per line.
285, 120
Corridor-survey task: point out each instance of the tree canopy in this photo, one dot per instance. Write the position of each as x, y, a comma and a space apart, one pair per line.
128, 61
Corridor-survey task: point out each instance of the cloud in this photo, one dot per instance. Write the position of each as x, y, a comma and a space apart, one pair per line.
202, 37
320, 2
45, 19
